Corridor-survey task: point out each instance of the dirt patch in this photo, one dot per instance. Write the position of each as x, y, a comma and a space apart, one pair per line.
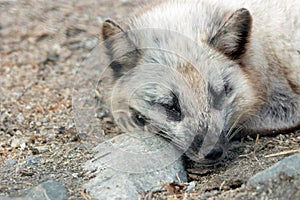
42, 44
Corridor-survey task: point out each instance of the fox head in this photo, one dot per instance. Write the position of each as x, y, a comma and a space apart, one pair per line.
191, 90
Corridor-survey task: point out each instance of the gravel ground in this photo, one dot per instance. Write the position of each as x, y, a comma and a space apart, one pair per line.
42, 43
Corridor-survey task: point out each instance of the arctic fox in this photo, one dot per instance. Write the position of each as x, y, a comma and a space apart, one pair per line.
197, 72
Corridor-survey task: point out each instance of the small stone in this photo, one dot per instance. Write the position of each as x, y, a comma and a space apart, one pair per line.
19, 94
42, 149
51, 136
32, 124
18, 132
56, 48
38, 123
33, 161
45, 120
101, 115
191, 186
75, 175
16, 142
23, 146
11, 162
20, 118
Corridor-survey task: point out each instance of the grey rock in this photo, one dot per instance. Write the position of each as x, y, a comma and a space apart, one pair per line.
50, 190
11, 162
20, 118
32, 161
132, 163
289, 166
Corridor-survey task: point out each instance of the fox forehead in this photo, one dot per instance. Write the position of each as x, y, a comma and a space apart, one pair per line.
178, 11
193, 77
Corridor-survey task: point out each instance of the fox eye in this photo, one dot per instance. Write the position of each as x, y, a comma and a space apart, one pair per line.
227, 88
139, 119
173, 109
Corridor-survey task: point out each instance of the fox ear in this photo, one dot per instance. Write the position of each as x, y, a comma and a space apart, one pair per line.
120, 48
110, 28
232, 38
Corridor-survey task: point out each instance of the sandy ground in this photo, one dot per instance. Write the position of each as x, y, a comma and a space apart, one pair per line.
41, 45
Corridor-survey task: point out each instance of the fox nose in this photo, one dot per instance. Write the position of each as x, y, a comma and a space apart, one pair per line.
214, 154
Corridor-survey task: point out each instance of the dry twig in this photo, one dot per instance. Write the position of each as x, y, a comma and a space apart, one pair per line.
283, 153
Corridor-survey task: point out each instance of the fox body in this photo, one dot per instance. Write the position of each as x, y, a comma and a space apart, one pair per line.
197, 72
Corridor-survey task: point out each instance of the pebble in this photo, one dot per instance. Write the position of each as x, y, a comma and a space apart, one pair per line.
42, 149
38, 123
32, 161
11, 162
45, 120
20, 118
23, 146
191, 186
75, 175
32, 124
19, 94
18, 132
2, 133
101, 115
17, 142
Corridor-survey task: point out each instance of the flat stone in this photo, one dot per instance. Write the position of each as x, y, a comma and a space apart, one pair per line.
42, 149
289, 166
130, 164
50, 190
